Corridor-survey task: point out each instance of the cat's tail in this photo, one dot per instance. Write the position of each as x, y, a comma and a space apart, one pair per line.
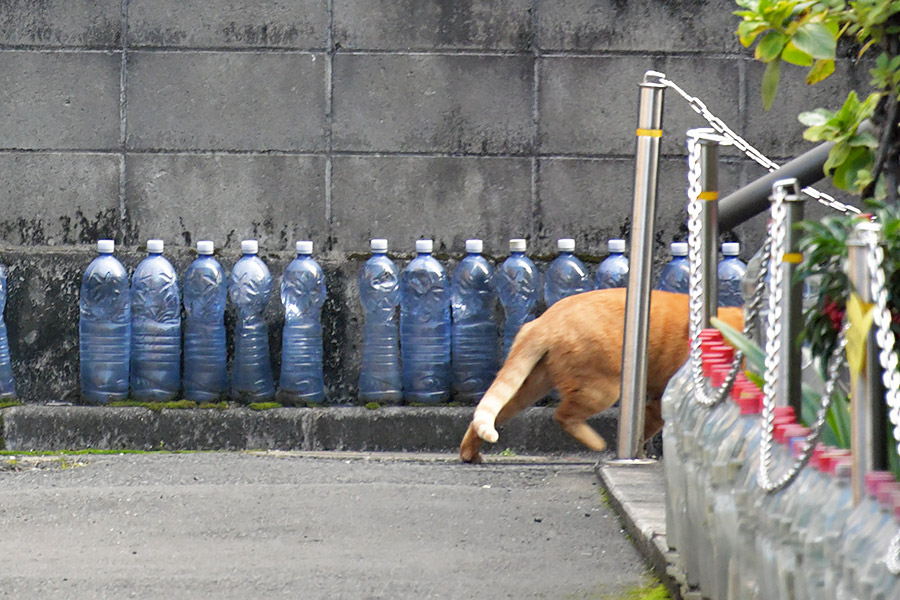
526, 351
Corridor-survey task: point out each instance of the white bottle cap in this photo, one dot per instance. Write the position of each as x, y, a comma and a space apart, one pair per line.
304, 247
378, 245
106, 246
205, 247
424, 246
679, 248
155, 246
518, 245
474, 246
565, 245
249, 247
616, 246
731, 248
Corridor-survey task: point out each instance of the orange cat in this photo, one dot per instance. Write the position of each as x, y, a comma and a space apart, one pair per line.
576, 347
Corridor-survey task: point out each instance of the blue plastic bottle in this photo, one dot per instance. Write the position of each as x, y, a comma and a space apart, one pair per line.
425, 328
731, 272
676, 275
249, 289
519, 287
155, 328
302, 294
566, 275
205, 292
104, 328
613, 271
7, 383
473, 297
379, 294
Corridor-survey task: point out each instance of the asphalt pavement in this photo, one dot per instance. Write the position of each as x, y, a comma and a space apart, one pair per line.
309, 525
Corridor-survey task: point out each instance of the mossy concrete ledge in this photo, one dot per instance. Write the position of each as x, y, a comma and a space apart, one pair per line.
391, 429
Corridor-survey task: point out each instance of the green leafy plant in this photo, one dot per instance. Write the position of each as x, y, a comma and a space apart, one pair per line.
865, 158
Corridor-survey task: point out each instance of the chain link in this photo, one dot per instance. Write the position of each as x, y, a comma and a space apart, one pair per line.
887, 357
744, 146
778, 235
702, 389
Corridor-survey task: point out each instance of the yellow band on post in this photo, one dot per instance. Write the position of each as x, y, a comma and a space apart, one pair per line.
709, 195
792, 257
650, 132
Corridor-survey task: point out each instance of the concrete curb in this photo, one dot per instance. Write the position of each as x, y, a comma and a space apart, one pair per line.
389, 429
637, 493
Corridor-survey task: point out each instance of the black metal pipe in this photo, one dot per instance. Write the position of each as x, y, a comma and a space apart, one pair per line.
752, 199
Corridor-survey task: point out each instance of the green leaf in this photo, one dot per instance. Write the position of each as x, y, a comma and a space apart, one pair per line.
754, 355
816, 40
748, 31
770, 83
836, 157
819, 116
770, 47
795, 56
822, 69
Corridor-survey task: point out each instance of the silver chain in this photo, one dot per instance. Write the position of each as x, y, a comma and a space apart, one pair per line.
743, 145
702, 392
778, 234
887, 357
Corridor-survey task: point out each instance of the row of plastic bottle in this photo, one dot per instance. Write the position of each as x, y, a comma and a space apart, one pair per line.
130, 335
676, 274
733, 540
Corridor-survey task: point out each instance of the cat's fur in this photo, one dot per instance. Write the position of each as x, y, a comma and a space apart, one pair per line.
576, 347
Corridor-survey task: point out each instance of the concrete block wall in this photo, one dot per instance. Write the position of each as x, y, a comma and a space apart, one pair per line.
342, 120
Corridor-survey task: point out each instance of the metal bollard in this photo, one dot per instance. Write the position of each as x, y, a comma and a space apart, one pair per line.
637, 303
707, 175
789, 379
868, 439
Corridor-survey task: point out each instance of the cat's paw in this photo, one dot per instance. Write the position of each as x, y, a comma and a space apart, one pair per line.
475, 459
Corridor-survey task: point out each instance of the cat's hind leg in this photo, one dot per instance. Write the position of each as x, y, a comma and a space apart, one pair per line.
536, 386
577, 404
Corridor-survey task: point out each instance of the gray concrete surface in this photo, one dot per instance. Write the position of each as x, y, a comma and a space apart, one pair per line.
244, 525
411, 429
